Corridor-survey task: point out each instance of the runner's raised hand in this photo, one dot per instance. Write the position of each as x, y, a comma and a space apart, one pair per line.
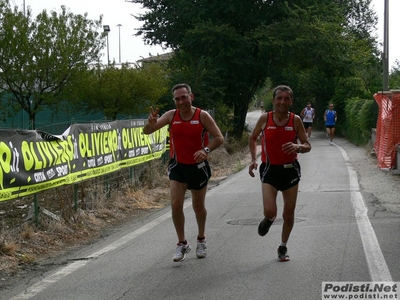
153, 116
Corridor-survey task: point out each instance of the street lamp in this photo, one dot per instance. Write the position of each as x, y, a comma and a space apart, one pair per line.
107, 29
119, 40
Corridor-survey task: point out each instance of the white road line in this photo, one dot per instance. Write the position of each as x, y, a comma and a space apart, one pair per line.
58, 275
378, 268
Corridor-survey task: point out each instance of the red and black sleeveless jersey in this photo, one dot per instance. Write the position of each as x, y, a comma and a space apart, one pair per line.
272, 139
187, 137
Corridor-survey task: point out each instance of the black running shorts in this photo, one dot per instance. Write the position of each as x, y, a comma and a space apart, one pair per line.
281, 177
196, 175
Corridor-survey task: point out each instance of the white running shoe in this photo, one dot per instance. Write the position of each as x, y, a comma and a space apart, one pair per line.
201, 250
180, 252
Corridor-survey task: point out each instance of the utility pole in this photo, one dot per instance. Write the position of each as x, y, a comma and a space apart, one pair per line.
385, 58
119, 39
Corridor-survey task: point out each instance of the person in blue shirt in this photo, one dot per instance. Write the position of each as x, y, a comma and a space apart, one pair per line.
330, 118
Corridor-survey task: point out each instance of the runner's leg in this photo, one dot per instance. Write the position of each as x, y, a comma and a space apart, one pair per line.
289, 205
178, 190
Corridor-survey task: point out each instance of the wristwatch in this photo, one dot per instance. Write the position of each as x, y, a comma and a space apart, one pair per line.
299, 149
207, 150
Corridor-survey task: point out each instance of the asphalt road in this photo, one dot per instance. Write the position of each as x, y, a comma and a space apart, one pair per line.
339, 236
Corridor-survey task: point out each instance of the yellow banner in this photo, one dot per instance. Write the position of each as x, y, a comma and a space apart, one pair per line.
32, 161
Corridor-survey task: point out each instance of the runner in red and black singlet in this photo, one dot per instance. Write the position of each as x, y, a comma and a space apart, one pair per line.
186, 137
188, 168
273, 158
279, 170
276, 137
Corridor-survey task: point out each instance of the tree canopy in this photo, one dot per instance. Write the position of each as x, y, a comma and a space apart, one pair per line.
39, 57
234, 46
117, 90
394, 76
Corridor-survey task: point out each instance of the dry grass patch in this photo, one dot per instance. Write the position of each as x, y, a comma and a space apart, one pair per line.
8, 248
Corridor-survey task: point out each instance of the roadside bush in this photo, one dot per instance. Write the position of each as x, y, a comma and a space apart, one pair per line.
359, 120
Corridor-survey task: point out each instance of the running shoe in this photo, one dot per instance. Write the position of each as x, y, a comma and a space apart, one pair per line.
201, 250
181, 250
282, 254
264, 226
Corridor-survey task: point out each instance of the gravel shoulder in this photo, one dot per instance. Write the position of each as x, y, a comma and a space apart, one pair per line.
383, 186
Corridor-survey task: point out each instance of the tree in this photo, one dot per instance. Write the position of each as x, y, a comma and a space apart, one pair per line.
39, 57
322, 50
394, 76
219, 37
118, 91
306, 44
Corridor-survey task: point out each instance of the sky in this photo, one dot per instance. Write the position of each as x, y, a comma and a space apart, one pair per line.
114, 12
394, 25
133, 48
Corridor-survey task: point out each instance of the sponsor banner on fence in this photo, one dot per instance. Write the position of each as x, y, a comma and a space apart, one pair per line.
33, 161
360, 290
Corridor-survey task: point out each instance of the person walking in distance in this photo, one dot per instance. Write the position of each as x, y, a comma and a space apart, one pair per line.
282, 137
330, 118
188, 168
308, 115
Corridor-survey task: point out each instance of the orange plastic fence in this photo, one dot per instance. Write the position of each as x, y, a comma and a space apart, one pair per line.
387, 128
